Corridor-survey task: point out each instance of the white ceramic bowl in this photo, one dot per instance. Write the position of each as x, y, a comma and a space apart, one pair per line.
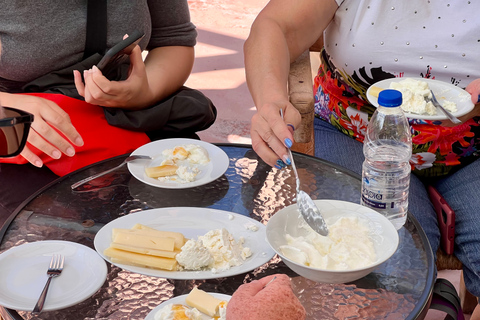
384, 236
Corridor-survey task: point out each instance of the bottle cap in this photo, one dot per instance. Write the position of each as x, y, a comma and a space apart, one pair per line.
390, 98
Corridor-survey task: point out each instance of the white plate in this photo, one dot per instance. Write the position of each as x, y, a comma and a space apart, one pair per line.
209, 172
192, 222
181, 300
23, 274
442, 90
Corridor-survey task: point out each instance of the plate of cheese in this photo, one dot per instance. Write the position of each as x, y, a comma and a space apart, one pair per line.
180, 163
416, 96
184, 243
197, 305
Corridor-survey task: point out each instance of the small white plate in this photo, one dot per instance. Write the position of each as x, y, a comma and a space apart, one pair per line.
181, 300
192, 222
209, 172
442, 90
23, 274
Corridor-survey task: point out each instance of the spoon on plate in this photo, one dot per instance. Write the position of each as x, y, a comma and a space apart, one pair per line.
309, 210
133, 158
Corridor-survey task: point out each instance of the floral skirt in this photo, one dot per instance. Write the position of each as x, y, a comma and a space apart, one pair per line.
437, 150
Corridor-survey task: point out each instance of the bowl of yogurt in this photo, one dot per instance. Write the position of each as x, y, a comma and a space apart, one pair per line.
359, 240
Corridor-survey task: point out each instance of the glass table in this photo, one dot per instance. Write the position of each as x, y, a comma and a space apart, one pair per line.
401, 288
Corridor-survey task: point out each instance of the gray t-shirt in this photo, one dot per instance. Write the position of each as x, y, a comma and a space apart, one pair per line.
41, 36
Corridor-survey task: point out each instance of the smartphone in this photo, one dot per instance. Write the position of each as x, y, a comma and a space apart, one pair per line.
446, 219
120, 51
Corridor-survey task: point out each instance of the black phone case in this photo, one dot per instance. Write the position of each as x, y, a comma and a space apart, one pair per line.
120, 50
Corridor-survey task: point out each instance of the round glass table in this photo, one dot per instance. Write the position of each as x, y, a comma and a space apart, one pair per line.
401, 288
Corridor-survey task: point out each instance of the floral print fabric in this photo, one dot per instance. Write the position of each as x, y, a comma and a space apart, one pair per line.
437, 150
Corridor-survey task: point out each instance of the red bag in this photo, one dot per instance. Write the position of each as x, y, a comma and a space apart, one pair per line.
101, 140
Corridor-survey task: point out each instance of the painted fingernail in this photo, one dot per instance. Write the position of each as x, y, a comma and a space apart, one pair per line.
288, 143
291, 126
287, 160
478, 99
278, 167
281, 163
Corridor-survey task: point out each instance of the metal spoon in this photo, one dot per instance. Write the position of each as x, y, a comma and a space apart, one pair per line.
134, 158
305, 204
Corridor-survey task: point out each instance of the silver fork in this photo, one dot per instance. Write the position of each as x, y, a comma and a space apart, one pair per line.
54, 270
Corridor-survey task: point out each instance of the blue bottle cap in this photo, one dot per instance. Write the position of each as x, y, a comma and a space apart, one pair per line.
390, 98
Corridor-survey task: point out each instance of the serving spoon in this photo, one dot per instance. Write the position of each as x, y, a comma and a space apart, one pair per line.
134, 159
309, 210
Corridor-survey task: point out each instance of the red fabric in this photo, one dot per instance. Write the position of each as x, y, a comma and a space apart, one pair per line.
101, 140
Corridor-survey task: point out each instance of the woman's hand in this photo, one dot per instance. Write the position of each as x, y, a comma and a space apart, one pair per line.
47, 114
474, 89
271, 134
254, 301
163, 73
132, 93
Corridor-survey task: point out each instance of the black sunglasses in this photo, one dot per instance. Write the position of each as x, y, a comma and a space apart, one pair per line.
14, 127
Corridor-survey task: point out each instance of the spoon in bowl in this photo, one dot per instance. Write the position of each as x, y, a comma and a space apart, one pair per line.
309, 210
134, 159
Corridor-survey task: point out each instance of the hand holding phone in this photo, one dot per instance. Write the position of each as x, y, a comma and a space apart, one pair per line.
120, 51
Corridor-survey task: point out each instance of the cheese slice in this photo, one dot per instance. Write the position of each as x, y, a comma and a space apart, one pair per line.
141, 260
150, 252
203, 301
375, 91
179, 238
144, 241
161, 171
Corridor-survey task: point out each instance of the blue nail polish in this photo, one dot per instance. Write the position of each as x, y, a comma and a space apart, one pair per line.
288, 161
288, 143
278, 167
478, 99
291, 126
281, 163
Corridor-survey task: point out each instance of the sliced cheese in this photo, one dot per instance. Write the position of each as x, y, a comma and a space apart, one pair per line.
375, 91
144, 241
141, 260
150, 252
179, 238
203, 301
161, 171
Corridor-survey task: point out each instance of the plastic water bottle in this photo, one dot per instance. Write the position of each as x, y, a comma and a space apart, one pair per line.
386, 169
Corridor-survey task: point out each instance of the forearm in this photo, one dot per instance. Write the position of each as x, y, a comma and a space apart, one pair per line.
167, 70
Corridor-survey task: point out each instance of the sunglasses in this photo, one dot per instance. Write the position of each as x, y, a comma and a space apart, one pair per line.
14, 127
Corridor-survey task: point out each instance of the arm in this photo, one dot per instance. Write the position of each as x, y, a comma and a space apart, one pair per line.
164, 71
280, 33
166, 68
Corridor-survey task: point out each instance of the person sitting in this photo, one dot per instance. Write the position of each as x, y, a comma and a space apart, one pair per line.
48, 68
365, 42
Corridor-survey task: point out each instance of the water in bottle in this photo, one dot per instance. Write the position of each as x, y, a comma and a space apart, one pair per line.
386, 169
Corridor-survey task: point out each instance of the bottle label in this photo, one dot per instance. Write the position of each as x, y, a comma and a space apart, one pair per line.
375, 200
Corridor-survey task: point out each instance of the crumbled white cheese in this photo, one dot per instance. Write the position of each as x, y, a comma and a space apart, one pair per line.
194, 255
251, 227
416, 97
169, 313
221, 245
